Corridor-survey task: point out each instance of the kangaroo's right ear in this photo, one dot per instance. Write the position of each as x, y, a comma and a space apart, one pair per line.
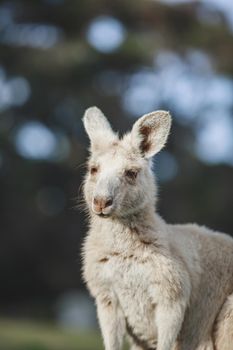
98, 128
150, 132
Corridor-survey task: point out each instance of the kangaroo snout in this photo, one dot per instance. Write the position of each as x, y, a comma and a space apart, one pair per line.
102, 205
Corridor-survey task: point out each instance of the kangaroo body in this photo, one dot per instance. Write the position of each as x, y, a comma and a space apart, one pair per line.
167, 287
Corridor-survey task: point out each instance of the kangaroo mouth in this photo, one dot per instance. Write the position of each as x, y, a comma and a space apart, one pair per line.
102, 215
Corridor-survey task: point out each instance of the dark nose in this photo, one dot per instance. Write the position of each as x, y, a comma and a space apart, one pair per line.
101, 203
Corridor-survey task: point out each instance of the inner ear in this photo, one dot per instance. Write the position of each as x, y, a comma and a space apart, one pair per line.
150, 132
146, 143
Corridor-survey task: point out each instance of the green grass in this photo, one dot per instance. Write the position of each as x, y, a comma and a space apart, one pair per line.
26, 335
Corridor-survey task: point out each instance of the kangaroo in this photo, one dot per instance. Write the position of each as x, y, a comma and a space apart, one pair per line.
165, 287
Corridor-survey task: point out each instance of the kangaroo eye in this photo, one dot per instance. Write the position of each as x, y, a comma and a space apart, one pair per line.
131, 174
93, 170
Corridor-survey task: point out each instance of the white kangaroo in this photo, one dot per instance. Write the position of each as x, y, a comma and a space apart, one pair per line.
167, 287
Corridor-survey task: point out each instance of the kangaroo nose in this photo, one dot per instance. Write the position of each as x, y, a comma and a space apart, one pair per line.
101, 203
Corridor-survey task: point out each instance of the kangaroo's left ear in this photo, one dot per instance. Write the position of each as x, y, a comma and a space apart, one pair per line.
150, 132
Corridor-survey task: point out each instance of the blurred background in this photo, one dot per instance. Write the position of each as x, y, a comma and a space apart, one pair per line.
58, 57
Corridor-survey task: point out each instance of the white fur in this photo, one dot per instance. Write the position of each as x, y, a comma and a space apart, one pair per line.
167, 287
97, 128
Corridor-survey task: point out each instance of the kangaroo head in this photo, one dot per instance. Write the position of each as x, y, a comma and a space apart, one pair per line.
120, 181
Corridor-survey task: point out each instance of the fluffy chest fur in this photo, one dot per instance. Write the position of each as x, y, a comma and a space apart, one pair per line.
130, 269
125, 275
128, 277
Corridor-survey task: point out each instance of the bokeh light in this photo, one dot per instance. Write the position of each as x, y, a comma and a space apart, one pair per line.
32, 35
13, 92
105, 34
214, 139
35, 141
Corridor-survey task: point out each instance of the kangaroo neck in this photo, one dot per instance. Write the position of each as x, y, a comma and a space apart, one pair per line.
145, 225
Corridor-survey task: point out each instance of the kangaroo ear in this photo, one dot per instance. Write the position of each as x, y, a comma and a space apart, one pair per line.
97, 127
150, 132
